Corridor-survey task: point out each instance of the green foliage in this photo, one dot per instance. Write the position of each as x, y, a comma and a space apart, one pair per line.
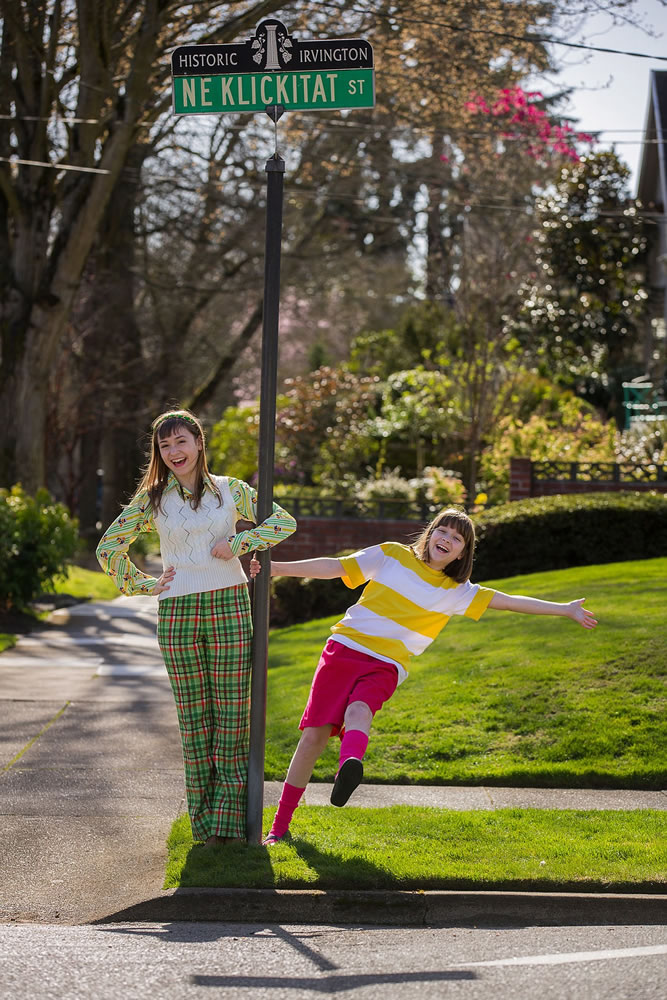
322, 426
420, 420
422, 332
421, 848
85, 584
561, 428
234, 441
643, 443
37, 538
440, 487
295, 599
577, 529
585, 307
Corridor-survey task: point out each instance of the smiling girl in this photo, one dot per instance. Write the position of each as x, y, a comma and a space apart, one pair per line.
204, 624
411, 593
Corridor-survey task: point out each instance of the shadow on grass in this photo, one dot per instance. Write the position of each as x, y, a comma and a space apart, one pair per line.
242, 866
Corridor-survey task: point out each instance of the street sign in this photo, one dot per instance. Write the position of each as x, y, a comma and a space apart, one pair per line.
270, 69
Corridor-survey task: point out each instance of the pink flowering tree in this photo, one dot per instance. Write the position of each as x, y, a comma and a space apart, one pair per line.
523, 119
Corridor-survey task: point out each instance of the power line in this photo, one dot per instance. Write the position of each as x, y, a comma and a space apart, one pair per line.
55, 118
53, 166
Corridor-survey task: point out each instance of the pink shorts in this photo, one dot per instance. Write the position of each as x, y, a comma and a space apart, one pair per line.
345, 675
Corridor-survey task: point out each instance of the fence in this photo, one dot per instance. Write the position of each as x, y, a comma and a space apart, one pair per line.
537, 479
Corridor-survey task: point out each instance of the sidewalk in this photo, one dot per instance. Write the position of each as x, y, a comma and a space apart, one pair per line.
92, 779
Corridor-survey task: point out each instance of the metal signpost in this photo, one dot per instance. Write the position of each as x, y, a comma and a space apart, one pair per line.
274, 73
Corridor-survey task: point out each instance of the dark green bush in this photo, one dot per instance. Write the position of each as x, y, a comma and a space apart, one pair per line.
296, 599
575, 529
37, 538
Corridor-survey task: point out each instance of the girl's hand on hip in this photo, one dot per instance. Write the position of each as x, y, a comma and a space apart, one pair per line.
222, 550
581, 615
255, 567
164, 581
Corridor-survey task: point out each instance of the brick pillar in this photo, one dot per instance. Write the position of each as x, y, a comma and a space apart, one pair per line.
521, 478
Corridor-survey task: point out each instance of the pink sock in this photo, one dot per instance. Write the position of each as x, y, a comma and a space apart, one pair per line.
289, 800
353, 744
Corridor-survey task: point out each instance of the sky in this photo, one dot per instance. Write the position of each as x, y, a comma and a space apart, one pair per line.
612, 90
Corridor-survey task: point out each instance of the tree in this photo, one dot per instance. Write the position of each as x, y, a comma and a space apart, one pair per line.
583, 309
80, 81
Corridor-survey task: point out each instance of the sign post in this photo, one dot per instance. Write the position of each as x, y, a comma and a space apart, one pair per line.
274, 73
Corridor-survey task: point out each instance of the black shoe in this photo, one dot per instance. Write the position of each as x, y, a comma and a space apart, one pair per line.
348, 778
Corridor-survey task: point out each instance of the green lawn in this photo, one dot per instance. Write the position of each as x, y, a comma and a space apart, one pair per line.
512, 699
411, 848
86, 584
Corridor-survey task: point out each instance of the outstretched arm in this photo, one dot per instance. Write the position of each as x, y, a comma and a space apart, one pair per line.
314, 569
533, 606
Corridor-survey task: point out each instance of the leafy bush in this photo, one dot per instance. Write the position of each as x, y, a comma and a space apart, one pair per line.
296, 599
37, 538
571, 432
545, 533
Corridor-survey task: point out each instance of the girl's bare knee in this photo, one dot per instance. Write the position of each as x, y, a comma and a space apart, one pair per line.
358, 715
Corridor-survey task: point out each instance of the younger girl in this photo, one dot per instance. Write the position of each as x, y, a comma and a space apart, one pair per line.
411, 594
204, 624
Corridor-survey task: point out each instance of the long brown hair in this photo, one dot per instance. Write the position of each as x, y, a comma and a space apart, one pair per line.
156, 473
461, 568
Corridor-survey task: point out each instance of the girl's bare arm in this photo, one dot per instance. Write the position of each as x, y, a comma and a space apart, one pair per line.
533, 606
315, 569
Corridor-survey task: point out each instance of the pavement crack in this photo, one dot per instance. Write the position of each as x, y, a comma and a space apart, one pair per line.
17, 757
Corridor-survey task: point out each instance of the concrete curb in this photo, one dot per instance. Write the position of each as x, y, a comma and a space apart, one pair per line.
394, 909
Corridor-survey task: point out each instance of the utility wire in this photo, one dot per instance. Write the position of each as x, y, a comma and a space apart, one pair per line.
53, 166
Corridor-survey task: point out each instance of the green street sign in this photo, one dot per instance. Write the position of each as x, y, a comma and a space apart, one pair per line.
272, 68
310, 91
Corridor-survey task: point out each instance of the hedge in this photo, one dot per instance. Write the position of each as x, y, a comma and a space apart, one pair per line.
525, 536
573, 529
37, 538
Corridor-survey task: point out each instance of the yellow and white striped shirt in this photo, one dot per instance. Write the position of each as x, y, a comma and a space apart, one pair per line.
405, 604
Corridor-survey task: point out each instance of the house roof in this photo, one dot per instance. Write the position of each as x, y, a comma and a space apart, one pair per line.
652, 185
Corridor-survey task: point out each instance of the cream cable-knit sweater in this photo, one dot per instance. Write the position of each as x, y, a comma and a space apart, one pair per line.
187, 537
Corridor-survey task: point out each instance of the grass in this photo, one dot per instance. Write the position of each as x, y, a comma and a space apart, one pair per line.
86, 584
7, 640
513, 699
424, 848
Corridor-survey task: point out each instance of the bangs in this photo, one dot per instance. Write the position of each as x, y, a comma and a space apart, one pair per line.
172, 424
459, 521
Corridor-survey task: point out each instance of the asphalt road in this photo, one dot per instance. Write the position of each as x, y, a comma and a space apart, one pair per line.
292, 962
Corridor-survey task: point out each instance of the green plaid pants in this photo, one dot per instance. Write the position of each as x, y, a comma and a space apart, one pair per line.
205, 640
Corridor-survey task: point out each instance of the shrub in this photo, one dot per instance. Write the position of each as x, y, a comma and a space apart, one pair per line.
296, 599
37, 538
545, 533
